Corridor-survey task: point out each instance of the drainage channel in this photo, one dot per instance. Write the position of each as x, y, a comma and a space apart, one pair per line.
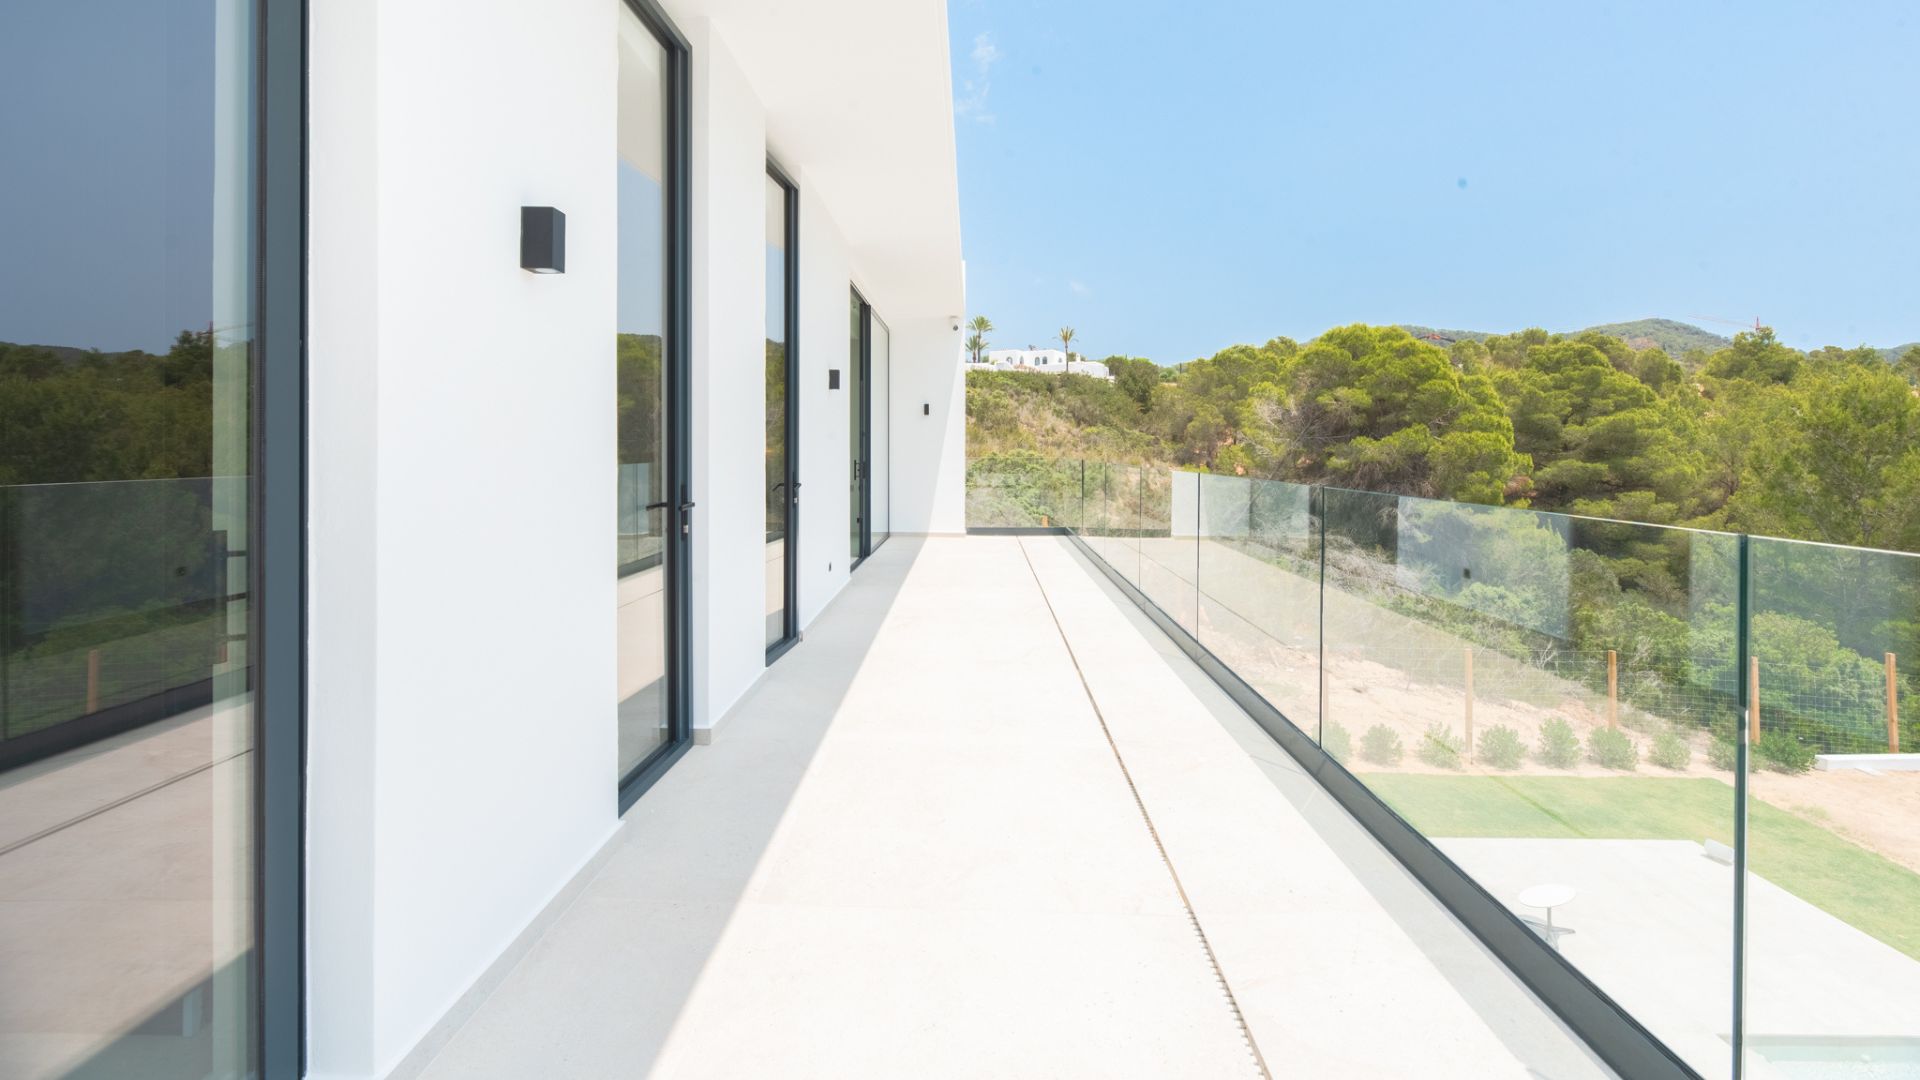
1193, 920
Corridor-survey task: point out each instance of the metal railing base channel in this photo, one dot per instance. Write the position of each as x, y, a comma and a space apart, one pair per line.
1612, 1033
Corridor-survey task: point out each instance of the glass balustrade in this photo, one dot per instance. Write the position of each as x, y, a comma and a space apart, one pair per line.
1560, 705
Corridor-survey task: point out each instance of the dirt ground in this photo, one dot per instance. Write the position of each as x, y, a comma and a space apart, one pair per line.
1880, 813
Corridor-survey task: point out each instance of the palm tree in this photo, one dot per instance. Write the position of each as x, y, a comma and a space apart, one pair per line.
981, 327
1066, 344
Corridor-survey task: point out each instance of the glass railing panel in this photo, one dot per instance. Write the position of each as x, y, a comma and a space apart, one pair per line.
1537, 694
1833, 812
1169, 508
1024, 490
1120, 499
1259, 576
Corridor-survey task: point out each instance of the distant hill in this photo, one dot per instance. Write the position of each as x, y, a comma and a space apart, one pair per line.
1676, 338
1449, 335
1898, 351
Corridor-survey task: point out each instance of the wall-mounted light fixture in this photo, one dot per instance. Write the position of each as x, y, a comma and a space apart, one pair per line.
926, 408
543, 240
833, 378
953, 322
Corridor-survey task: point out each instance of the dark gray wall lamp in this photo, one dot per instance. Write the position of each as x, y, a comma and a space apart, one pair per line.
543, 240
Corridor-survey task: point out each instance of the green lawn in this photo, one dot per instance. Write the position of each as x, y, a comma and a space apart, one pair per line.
1870, 891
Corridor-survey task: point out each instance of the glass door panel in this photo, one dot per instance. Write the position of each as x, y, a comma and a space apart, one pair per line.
645, 497
857, 428
779, 478
127, 717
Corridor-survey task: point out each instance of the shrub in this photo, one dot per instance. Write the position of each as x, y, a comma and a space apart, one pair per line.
1380, 745
1336, 742
1670, 751
1612, 749
1501, 747
1783, 753
1723, 753
1441, 748
1559, 747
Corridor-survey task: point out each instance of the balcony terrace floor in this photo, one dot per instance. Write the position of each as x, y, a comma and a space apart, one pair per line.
986, 820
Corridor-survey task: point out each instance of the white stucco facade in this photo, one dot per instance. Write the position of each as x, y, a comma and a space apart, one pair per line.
462, 757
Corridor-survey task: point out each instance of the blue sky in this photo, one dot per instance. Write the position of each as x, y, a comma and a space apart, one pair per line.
1172, 180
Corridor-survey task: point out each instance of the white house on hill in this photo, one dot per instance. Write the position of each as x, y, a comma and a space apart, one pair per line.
1050, 361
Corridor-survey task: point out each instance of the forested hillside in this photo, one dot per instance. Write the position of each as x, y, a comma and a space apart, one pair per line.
1753, 436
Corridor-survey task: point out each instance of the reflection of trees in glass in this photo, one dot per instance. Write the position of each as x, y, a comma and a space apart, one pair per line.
640, 434
640, 393
776, 368
108, 555
71, 415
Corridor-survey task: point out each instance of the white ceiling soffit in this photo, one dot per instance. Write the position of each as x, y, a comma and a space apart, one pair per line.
859, 97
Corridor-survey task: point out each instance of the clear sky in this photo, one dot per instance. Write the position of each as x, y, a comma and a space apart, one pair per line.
1172, 179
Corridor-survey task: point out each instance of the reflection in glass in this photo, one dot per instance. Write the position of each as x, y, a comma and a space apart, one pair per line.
1260, 589
779, 494
1168, 556
126, 720
644, 495
1499, 680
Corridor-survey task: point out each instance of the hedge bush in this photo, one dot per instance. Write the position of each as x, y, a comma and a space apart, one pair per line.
1336, 742
1501, 748
1670, 751
1612, 749
1380, 745
1559, 747
1783, 753
1441, 748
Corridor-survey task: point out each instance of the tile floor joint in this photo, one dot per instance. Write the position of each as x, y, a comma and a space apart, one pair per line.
1213, 961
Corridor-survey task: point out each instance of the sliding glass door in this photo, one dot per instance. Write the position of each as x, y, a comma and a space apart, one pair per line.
134, 405
869, 366
654, 512
856, 428
782, 470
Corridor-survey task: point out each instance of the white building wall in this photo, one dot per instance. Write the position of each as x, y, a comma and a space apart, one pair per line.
825, 277
929, 491
462, 645
461, 724
729, 376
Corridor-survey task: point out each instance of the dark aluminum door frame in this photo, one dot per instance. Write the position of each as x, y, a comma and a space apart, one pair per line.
790, 627
863, 463
277, 559
1615, 1035
679, 311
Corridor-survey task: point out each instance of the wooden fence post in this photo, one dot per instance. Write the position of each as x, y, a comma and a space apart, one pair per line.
1613, 690
1893, 705
1753, 703
93, 680
1469, 685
